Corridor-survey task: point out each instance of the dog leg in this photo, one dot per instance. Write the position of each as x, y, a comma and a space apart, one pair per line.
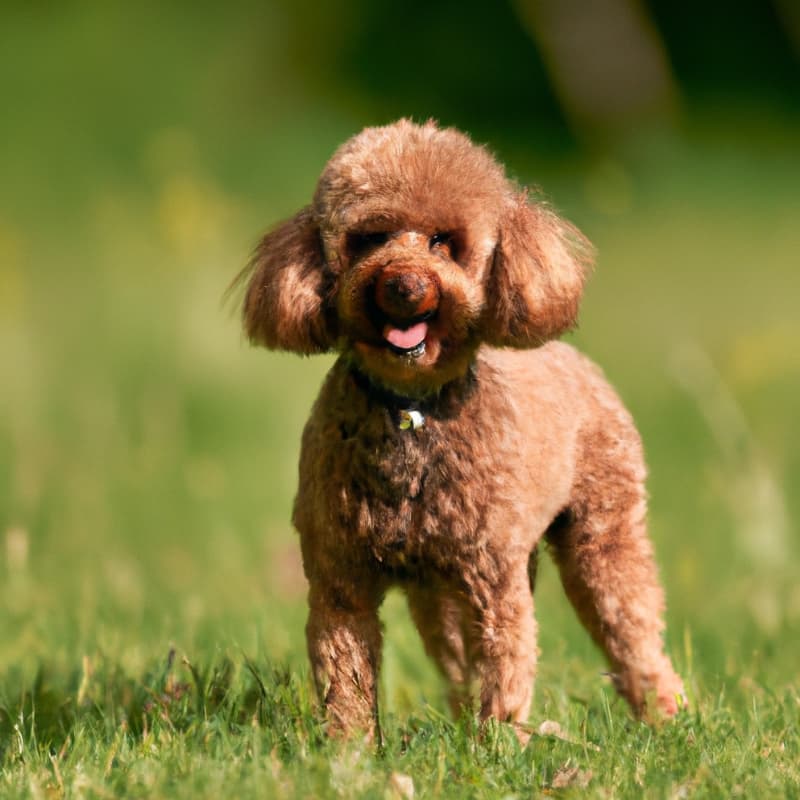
344, 646
440, 621
607, 568
506, 647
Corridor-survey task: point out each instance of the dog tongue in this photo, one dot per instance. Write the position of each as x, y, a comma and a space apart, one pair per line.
406, 339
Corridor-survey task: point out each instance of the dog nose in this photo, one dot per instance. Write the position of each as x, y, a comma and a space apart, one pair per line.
406, 293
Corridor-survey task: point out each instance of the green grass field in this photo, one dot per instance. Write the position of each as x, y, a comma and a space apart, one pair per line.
151, 595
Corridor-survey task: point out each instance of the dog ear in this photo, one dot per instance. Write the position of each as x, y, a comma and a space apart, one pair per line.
286, 302
537, 275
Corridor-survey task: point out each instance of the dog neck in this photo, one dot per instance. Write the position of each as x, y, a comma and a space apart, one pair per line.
410, 412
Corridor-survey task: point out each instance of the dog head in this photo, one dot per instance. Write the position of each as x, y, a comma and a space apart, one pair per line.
415, 250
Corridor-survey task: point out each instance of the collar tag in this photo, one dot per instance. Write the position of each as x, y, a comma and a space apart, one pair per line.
411, 419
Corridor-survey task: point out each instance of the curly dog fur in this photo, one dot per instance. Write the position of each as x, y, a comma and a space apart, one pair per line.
452, 434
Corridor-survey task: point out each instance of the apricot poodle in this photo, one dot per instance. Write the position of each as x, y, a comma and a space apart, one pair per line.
452, 434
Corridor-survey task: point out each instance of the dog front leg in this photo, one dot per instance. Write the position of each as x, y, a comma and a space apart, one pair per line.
344, 646
507, 650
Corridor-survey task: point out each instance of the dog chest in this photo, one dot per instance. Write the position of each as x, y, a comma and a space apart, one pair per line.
407, 499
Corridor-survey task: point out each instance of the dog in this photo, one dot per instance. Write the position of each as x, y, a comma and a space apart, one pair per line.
453, 433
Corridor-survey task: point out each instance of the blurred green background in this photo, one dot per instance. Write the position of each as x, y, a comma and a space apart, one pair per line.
148, 454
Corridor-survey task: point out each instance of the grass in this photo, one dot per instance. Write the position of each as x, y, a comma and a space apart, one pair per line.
151, 594
240, 728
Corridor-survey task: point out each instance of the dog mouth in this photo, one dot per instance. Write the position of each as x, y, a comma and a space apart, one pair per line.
407, 339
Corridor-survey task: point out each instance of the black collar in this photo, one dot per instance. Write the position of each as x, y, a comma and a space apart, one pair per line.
444, 403
380, 395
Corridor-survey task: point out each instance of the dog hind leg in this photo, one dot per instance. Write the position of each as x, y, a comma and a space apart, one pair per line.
442, 624
606, 563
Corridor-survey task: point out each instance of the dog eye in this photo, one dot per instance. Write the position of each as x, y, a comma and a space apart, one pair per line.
360, 242
443, 243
